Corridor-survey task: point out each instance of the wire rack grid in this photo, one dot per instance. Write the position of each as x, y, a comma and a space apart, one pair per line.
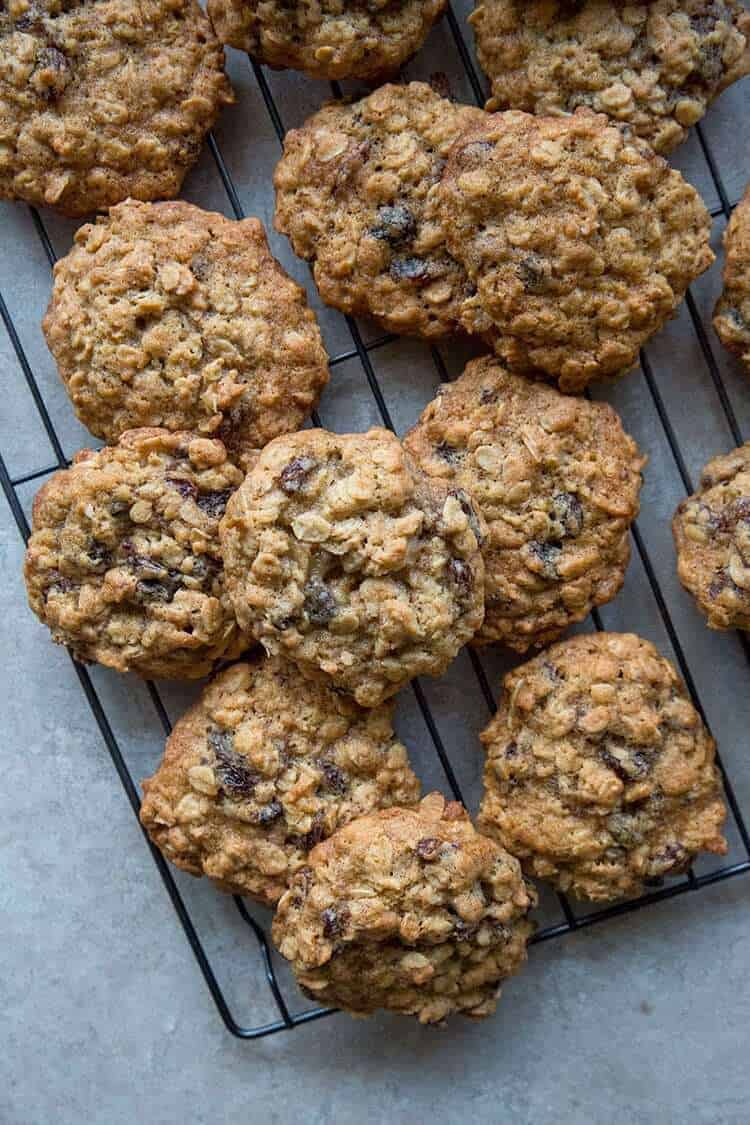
363, 350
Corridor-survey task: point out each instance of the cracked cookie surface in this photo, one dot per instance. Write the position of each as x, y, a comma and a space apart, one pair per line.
580, 240
327, 38
557, 481
266, 765
655, 67
123, 564
409, 910
104, 99
355, 193
342, 556
600, 774
732, 312
166, 315
712, 536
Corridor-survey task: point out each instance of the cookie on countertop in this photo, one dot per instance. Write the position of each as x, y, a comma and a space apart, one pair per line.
355, 193
166, 315
655, 67
123, 564
327, 38
600, 774
580, 240
104, 99
557, 481
266, 765
410, 910
712, 536
345, 558
732, 312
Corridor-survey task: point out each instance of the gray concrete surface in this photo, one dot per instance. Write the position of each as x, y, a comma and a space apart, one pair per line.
106, 1017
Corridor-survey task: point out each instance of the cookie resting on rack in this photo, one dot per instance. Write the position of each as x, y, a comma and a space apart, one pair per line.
580, 239
166, 315
343, 557
123, 564
600, 773
327, 38
355, 193
104, 99
557, 481
266, 765
732, 312
654, 67
712, 536
410, 910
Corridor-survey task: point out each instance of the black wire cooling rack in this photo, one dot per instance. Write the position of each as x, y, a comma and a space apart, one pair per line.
362, 351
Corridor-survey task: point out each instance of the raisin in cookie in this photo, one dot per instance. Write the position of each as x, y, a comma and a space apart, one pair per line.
166, 315
355, 193
581, 241
557, 481
712, 535
327, 38
262, 768
123, 565
732, 313
655, 67
409, 910
600, 774
104, 99
341, 555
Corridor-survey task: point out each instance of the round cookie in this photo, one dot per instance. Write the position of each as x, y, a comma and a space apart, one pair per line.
655, 67
266, 765
581, 241
732, 312
166, 315
600, 774
557, 481
342, 556
409, 910
104, 99
355, 193
123, 564
327, 38
712, 536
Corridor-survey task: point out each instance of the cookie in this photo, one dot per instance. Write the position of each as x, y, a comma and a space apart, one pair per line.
654, 67
409, 910
262, 768
342, 556
557, 481
600, 774
712, 536
123, 564
732, 312
104, 99
355, 193
166, 315
327, 38
581, 241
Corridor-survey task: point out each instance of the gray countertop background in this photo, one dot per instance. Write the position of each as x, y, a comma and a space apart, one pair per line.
106, 1015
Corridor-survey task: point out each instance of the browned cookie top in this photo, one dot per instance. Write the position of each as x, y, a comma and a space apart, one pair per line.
409, 910
580, 240
655, 67
104, 99
355, 193
123, 564
557, 481
732, 313
166, 315
327, 38
600, 774
266, 765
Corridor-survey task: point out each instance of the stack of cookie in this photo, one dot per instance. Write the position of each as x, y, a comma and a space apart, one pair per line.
557, 235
